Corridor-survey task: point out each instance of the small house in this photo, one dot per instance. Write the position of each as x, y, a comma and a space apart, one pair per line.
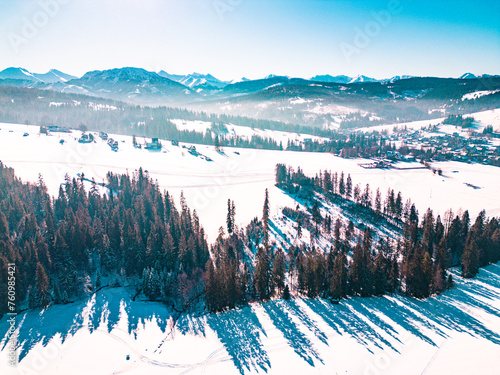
153, 145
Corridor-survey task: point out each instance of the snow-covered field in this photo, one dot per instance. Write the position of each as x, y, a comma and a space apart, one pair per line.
491, 117
455, 333
240, 174
246, 132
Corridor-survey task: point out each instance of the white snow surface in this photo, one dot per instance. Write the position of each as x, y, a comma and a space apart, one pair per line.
241, 177
484, 118
455, 333
247, 132
478, 94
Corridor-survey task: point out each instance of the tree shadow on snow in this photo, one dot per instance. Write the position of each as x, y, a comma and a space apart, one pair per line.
41, 326
239, 331
296, 339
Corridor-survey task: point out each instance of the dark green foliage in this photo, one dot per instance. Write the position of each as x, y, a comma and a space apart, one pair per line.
60, 244
458, 120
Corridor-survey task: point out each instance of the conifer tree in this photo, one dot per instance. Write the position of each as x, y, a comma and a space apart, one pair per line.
262, 274
470, 257
338, 277
378, 202
42, 286
348, 187
265, 220
341, 184
230, 217
279, 270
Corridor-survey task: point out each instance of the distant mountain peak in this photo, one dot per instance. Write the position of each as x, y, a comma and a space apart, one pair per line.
362, 79
196, 80
270, 76
331, 79
468, 76
18, 73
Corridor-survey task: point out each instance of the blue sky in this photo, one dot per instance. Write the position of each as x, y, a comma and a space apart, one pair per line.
253, 38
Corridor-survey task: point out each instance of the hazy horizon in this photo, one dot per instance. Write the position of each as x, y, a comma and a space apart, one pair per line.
234, 38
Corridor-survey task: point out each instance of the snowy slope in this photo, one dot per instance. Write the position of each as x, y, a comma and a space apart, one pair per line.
246, 132
18, 73
455, 333
484, 118
241, 177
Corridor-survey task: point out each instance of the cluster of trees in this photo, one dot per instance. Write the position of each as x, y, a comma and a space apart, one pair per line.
67, 247
333, 275
32, 106
459, 120
338, 185
421, 255
357, 120
234, 275
64, 247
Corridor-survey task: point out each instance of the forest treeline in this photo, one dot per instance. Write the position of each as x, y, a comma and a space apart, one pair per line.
416, 263
67, 247
45, 107
63, 247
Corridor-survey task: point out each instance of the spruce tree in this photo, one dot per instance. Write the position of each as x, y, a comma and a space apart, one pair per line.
348, 187
338, 278
279, 270
265, 220
42, 286
470, 257
341, 184
262, 274
230, 217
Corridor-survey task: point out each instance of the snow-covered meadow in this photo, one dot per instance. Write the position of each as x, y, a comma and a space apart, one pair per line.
455, 333
483, 119
238, 174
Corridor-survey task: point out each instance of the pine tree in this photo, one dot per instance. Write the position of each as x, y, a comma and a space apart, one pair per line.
380, 274
286, 293
265, 220
341, 184
43, 297
348, 187
378, 202
230, 217
470, 257
279, 270
428, 235
262, 274
338, 277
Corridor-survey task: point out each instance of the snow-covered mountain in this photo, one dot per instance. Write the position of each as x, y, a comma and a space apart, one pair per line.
362, 79
196, 80
51, 76
468, 76
173, 77
397, 78
19, 73
332, 79
130, 83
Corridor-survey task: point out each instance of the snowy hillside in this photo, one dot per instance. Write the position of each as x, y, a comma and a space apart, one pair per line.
484, 118
455, 333
247, 132
238, 174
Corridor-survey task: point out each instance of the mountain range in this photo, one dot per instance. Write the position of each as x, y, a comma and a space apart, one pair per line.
321, 100
194, 81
